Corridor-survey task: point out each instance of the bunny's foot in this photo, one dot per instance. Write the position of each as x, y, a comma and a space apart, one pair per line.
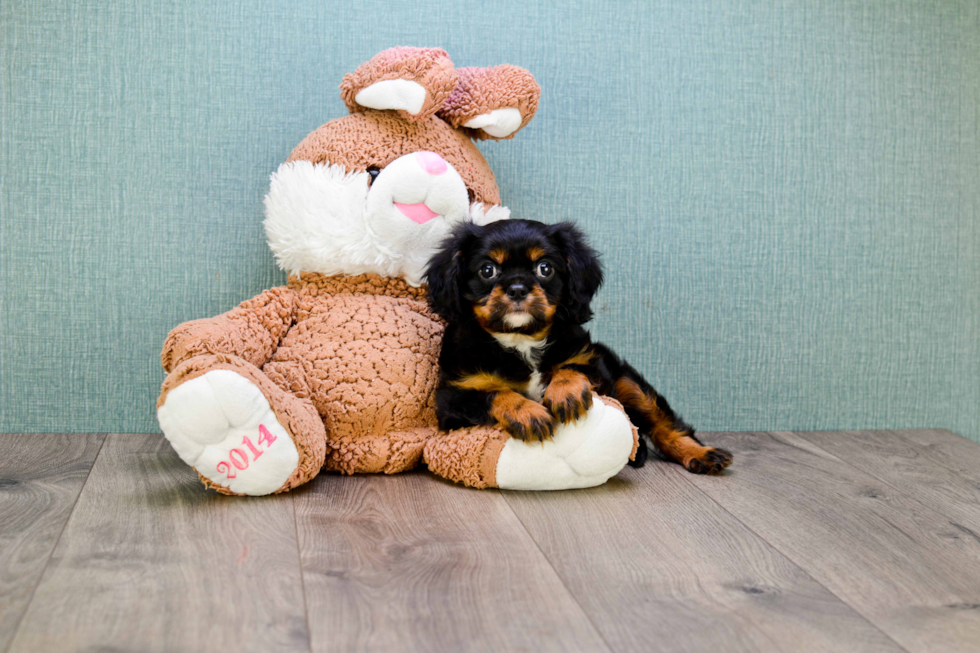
239, 431
582, 453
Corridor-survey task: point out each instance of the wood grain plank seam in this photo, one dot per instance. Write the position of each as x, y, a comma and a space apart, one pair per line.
302, 575
557, 574
40, 577
791, 560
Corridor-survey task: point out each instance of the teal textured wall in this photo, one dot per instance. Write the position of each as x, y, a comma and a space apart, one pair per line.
787, 193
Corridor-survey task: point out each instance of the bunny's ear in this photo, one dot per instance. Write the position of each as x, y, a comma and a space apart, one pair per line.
413, 81
492, 102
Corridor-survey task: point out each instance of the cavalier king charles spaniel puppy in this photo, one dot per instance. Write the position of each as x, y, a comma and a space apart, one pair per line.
515, 294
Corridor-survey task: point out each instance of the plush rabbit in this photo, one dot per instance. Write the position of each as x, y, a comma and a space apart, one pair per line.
337, 369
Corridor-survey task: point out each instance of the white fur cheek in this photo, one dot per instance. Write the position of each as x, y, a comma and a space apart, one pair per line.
448, 196
315, 219
408, 245
405, 181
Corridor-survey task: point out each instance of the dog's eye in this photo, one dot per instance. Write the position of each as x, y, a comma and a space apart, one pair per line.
544, 270
488, 271
373, 172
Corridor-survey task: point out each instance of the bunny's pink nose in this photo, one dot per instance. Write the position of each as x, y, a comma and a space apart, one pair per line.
431, 162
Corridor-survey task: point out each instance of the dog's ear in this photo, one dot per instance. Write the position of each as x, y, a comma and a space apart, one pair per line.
584, 270
446, 272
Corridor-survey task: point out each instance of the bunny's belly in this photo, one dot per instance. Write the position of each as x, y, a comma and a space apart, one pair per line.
369, 364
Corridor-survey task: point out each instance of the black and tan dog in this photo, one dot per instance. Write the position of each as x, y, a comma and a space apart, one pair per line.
515, 294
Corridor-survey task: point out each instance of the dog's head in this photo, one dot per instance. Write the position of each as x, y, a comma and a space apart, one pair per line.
515, 276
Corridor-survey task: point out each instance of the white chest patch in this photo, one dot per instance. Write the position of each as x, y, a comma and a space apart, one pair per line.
530, 350
535, 389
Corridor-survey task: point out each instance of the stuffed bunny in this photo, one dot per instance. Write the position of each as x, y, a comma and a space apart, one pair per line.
337, 369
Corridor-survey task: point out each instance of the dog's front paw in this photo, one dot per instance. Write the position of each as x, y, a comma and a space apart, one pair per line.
569, 396
711, 461
527, 420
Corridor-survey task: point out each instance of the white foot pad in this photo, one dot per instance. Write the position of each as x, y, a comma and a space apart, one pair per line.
221, 425
585, 453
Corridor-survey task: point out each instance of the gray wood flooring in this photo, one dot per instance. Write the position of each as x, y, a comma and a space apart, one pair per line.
837, 541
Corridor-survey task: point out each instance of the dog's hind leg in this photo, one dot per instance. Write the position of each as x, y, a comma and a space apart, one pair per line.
672, 437
651, 414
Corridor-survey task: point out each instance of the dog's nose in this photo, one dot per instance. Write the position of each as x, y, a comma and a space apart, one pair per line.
431, 162
517, 291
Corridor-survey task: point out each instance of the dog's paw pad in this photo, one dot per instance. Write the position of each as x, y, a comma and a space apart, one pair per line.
568, 397
523, 419
530, 427
221, 424
569, 407
711, 461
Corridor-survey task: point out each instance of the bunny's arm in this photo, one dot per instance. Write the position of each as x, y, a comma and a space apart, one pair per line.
251, 331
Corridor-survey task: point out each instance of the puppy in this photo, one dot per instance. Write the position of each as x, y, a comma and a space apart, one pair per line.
515, 294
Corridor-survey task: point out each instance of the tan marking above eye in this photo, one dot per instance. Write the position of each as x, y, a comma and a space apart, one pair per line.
534, 253
498, 256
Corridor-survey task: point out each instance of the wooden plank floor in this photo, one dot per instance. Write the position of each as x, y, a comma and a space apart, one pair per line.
837, 541
40, 479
